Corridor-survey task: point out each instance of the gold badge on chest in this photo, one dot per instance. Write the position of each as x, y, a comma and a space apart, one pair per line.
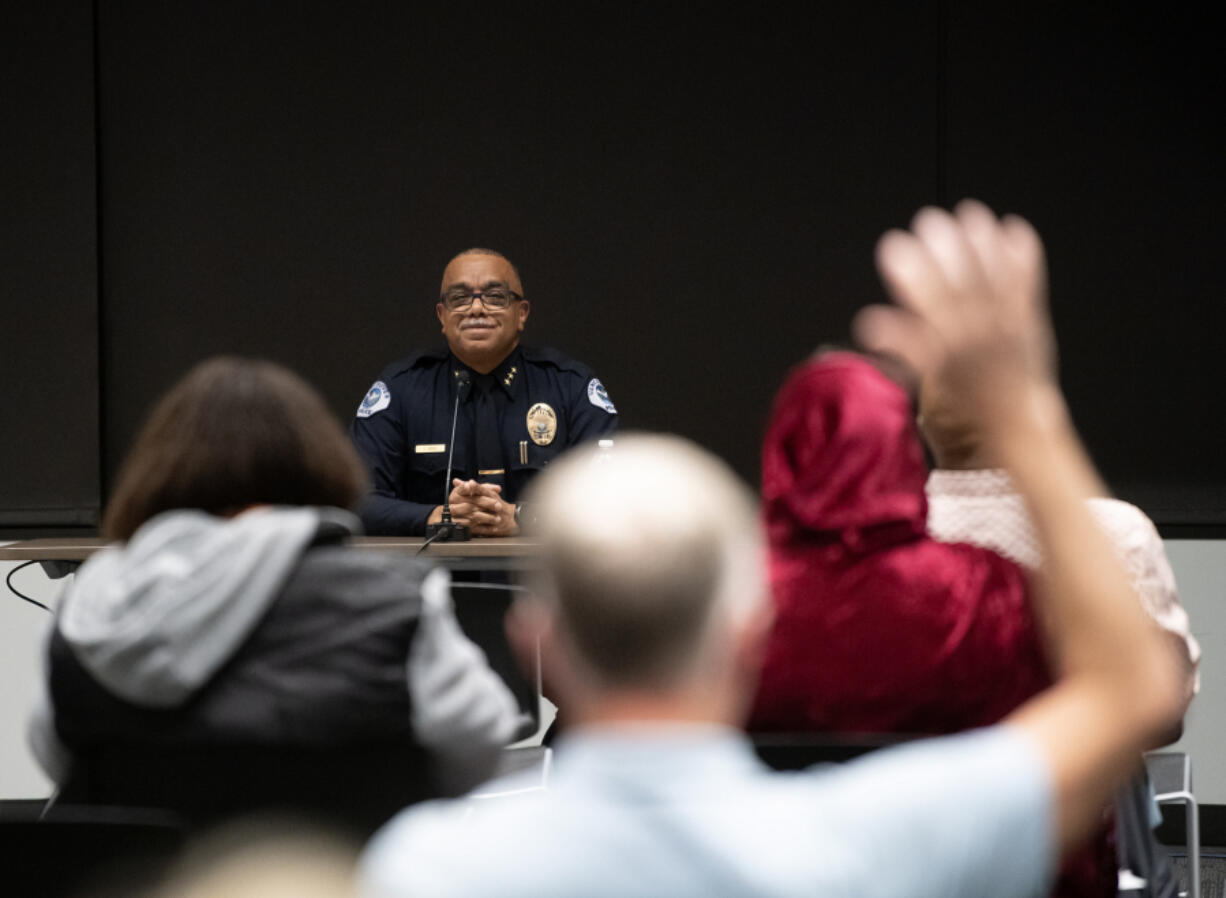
542, 424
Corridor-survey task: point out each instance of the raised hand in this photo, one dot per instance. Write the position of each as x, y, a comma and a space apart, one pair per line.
971, 308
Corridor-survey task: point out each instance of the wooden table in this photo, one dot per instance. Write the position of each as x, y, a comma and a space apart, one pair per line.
61, 554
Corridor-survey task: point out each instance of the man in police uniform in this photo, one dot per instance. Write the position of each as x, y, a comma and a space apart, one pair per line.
520, 408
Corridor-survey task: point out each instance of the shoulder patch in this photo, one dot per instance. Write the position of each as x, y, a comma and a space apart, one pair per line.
598, 396
377, 398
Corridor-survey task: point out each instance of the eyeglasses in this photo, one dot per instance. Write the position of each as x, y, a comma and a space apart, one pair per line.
494, 298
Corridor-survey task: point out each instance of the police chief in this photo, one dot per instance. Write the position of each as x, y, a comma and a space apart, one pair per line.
519, 408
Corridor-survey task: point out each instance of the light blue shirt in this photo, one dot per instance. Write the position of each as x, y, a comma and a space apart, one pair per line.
691, 811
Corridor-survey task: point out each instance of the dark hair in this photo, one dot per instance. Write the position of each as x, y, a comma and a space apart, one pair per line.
232, 433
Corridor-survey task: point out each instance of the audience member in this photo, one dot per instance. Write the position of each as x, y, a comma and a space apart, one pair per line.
878, 627
971, 500
261, 859
651, 614
229, 618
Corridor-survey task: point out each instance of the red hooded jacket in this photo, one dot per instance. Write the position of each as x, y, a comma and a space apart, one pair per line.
879, 628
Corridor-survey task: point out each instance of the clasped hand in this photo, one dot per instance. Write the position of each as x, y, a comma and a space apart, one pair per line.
481, 508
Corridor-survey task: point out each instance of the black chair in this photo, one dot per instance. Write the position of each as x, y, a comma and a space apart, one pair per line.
354, 788
93, 850
796, 751
481, 602
1145, 866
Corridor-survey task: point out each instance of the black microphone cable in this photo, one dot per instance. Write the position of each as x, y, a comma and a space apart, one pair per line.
447, 530
8, 581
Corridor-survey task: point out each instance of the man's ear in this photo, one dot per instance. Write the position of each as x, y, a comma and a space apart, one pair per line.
523, 311
529, 628
752, 638
441, 312
532, 628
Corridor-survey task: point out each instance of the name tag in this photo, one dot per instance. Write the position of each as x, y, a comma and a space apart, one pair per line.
423, 448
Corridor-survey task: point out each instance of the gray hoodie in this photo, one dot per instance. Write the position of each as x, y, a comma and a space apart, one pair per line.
154, 619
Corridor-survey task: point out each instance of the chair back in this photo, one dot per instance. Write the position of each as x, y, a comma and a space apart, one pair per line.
356, 788
91, 850
796, 751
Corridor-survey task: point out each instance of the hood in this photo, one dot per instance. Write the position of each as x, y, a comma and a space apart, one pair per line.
153, 619
842, 460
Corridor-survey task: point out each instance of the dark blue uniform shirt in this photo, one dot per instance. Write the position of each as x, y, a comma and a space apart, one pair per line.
541, 401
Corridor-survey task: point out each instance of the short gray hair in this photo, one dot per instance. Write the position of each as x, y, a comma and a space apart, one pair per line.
647, 548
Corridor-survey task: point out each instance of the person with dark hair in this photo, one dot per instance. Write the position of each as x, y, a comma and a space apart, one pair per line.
232, 434
520, 407
971, 500
652, 617
229, 615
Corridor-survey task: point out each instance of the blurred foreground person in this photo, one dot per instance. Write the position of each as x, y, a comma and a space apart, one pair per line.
652, 619
229, 654
261, 860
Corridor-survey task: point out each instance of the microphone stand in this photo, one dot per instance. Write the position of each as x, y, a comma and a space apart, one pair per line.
447, 530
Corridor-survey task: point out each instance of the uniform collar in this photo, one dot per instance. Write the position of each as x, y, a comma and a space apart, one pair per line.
509, 373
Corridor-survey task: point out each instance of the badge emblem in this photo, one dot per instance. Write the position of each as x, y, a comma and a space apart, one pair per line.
377, 398
542, 424
598, 396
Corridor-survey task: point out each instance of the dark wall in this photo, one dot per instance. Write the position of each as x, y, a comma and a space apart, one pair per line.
1106, 132
48, 263
690, 213
692, 201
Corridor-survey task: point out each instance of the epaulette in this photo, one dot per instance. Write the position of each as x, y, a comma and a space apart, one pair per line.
417, 359
547, 356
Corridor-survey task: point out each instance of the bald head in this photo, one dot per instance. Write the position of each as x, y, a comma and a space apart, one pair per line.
477, 267
651, 557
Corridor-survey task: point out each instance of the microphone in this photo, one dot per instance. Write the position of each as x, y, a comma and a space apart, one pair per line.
447, 530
